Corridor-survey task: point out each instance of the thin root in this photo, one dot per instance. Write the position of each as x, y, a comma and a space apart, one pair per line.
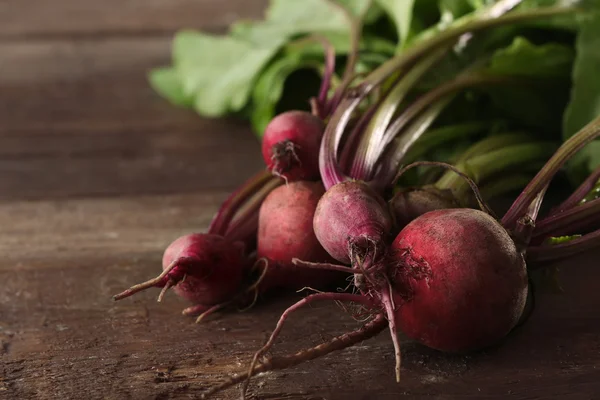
386, 299
212, 310
262, 275
363, 270
284, 152
167, 286
302, 289
148, 284
252, 303
324, 266
340, 342
195, 309
305, 301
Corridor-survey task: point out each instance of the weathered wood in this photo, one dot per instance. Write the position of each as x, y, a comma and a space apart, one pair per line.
61, 165
86, 86
98, 175
72, 110
62, 336
43, 18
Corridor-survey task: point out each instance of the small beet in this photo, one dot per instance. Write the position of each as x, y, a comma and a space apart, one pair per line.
286, 232
204, 269
350, 219
290, 145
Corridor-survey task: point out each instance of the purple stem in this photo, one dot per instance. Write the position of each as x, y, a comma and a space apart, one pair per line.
236, 200
526, 224
392, 158
579, 194
349, 150
554, 252
356, 25
402, 61
322, 104
574, 220
452, 87
588, 133
376, 129
435, 100
244, 231
245, 223
328, 163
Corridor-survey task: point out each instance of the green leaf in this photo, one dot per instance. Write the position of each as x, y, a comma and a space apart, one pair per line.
584, 102
292, 17
216, 74
454, 9
269, 87
567, 22
165, 82
400, 11
358, 7
585, 93
218, 71
524, 58
538, 105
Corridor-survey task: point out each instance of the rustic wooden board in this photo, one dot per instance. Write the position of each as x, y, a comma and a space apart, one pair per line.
98, 175
62, 335
46, 18
89, 112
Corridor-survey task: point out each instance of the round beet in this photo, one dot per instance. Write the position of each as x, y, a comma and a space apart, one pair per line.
285, 232
351, 218
290, 145
460, 284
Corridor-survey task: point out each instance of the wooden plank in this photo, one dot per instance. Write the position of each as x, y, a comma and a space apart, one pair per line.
43, 18
62, 336
94, 226
88, 123
85, 86
77, 119
167, 162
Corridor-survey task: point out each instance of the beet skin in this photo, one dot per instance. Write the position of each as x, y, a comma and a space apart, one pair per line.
285, 232
460, 283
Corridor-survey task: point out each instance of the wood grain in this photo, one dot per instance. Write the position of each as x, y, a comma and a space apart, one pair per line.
89, 112
62, 335
48, 18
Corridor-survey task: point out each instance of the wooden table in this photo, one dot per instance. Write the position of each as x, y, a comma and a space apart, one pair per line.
98, 175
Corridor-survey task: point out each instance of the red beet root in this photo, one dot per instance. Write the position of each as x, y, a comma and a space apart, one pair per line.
290, 145
286, 232
351, 220
461, 283
204, 269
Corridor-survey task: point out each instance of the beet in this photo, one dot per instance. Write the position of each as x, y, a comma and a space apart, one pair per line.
290, 145
351, 220
204, 269
460, 282
285, 232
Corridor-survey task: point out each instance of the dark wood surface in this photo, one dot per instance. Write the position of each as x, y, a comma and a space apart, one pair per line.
98, 175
